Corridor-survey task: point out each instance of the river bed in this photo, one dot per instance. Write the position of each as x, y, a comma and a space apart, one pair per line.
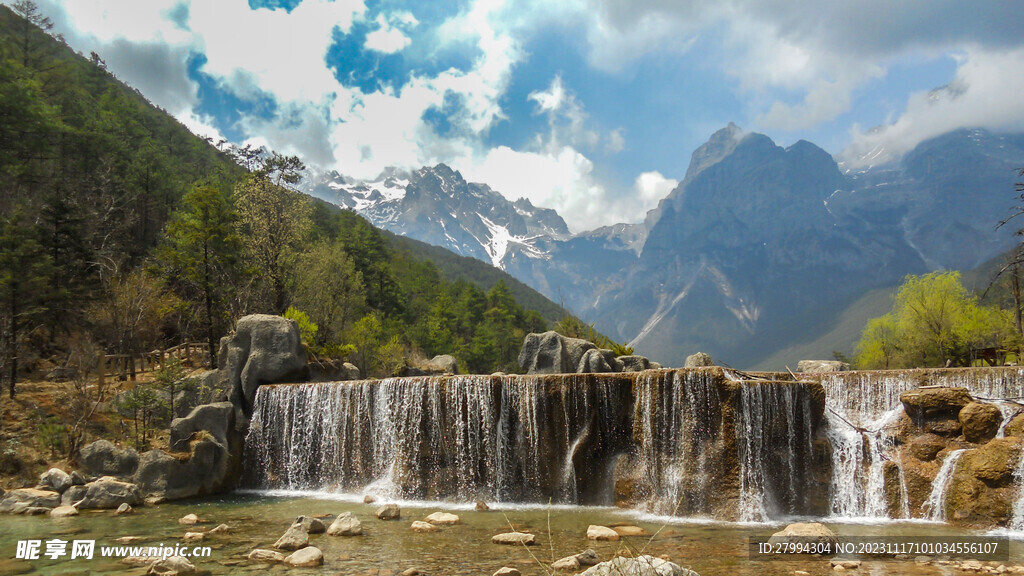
257, 519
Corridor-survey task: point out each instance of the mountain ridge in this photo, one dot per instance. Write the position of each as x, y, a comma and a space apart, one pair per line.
705, 269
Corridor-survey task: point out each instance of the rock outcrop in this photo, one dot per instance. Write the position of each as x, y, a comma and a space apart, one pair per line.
698, 360
102, 458
982, 491
821, 366
264, 349
552, 353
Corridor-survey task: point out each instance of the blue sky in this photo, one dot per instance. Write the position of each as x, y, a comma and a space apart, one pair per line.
591, 107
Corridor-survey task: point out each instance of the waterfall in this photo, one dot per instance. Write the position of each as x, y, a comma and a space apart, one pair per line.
462, 437
678, 418
862, 410
1017, 519
774, 447
687, 442
936, 503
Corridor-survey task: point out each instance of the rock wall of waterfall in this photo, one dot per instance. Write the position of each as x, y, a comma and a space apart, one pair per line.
694, 442
707, 442
934, 444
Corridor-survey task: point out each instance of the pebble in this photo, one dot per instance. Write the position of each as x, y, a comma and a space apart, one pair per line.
419, 526
601, 533
507, 571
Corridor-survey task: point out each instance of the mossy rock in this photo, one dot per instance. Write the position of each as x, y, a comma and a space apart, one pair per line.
926, 446
980, 421
936, 403
994, 463
1015, 427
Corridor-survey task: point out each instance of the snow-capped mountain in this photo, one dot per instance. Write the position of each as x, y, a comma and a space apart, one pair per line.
758, 248
436, 205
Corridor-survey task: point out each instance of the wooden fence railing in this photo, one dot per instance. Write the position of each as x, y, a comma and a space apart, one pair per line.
128, 366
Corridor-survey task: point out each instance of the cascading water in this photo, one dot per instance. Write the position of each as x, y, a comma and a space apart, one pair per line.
705, 442
678, 422
935, 506
691, 442
774, 425
462, 437
862, 410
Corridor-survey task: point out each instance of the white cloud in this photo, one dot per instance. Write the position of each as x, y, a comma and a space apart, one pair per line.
272, 51
985, 93
565, 180
650, 188
386, 38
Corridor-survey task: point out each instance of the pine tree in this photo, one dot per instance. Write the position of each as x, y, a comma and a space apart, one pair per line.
201, 251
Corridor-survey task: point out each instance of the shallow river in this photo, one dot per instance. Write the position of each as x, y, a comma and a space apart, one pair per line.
387, 548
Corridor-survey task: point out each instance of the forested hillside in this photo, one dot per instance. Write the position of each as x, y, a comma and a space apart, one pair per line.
122, 232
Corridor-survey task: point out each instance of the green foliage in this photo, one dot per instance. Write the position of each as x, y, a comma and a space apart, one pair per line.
307, 328
116, 220
142, 404
51, 434
171, 379
275, 225
573, 327
200, 257
935, 321
331, 290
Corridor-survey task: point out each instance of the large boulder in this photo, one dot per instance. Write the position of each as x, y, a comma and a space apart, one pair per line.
345, 525
441, 364
805, 533
21, 500
102, 458
821, 366
264, 349
311, 525
308, 557
293, 539
598, 361
698, 360
634, 363
108, 493
980, 421
55, 479
211, 468
173, 566
552, 353
639, 566
218, 420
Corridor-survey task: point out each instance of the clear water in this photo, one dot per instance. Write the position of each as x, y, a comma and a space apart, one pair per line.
386, 548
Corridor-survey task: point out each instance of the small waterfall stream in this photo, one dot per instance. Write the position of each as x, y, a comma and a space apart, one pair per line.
935, 506
863, 410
